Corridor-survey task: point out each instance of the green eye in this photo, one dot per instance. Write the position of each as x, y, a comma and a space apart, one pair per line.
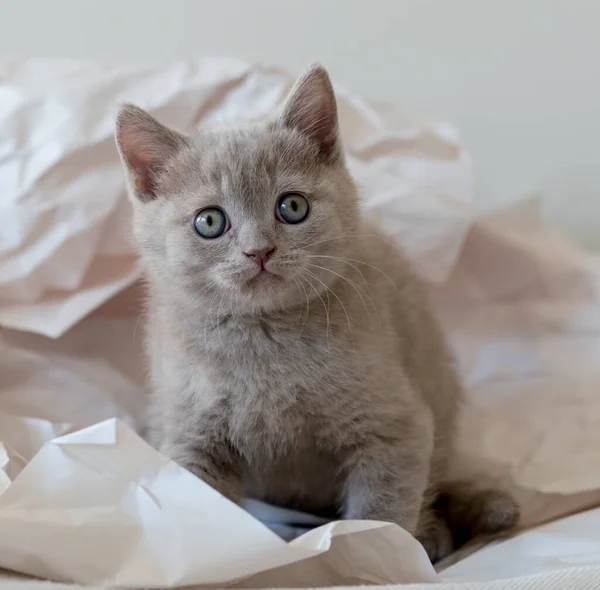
211, 223
292, 208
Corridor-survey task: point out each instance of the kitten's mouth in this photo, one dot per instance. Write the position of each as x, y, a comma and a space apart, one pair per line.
265, 272
262, 275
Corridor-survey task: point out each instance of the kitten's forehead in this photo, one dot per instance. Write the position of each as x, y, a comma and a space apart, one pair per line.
244, 161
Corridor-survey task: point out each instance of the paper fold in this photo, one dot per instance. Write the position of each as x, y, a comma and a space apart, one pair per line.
100, 506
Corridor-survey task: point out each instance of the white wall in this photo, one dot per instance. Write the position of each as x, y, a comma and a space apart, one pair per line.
521, 78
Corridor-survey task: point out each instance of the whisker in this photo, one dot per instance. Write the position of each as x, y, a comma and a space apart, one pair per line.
219, 318
353, 284
322, 301
333, 293
307, 309
349, 260
348, 236
301, 301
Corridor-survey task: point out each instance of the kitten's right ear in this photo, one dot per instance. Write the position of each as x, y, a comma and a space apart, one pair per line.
146, 148
311, 109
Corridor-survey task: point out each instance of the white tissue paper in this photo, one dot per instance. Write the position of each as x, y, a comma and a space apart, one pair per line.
84, 500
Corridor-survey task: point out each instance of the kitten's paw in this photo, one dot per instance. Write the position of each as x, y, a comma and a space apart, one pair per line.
462, 513
436, 539
501, 513
472, 512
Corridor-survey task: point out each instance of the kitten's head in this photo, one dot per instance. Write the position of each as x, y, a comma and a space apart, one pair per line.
256, 213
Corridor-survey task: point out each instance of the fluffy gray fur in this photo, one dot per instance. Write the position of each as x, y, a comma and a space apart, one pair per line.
324, 384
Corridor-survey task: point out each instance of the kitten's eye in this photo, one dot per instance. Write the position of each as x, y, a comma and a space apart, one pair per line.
211, 223
292, 208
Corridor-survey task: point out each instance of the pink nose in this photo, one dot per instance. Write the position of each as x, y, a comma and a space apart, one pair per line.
260, 255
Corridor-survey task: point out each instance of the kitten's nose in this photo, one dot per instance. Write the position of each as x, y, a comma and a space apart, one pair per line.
260, 255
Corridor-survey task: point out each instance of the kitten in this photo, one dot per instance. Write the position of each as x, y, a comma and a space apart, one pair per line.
293, 354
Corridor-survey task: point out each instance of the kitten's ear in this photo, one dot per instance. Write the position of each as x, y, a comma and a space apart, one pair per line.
146, 147
311, 109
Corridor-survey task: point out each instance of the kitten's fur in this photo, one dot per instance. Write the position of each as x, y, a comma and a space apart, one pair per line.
326, 386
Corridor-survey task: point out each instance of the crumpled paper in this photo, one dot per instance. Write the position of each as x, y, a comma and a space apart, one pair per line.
119, 513
522, 310
83, 499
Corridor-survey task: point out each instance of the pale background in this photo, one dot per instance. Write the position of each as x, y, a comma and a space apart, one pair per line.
521, 78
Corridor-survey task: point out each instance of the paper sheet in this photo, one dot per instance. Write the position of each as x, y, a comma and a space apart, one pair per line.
84, 500
522, 309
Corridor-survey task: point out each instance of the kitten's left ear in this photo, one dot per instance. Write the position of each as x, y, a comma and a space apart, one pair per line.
147, 148
311, 109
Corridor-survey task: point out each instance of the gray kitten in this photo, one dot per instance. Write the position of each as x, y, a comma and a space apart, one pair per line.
293, 354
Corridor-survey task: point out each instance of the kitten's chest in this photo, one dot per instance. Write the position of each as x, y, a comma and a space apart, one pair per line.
281, 390
264, 355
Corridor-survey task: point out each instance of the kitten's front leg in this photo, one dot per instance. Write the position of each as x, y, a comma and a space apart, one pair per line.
215, 467
206, 453
387, 477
